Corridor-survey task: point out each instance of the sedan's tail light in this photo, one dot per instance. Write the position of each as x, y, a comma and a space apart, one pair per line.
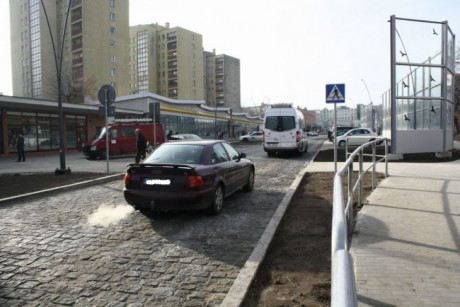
195, 182
127, 179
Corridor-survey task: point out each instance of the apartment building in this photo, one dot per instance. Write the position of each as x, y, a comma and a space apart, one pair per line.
166, 61
222, 81
95, 47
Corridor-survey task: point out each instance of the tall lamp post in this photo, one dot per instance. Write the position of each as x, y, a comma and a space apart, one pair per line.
58, 63
372, 105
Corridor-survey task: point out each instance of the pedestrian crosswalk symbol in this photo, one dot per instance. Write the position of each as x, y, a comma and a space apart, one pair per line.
335, 93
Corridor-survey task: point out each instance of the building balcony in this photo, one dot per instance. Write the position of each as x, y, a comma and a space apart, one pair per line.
172, 46
77, 31
77, 46
173, 93
77, 61
172, 74
75, 18
75, 3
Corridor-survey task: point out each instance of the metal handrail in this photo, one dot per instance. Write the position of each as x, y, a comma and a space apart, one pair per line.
343, 287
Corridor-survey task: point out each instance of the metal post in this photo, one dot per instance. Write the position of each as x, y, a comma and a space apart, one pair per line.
215, 119
373, 164
154, 127
58, 63
350, 200
360, 194
335, 138
106, 100
394, 135
386, 157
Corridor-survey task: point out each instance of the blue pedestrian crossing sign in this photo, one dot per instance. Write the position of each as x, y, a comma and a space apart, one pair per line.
335, 93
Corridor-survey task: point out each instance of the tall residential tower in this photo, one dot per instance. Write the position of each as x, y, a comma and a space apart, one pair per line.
166, 61
95, 47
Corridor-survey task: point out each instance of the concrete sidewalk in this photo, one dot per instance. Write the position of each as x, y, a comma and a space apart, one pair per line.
406, 244
76, 161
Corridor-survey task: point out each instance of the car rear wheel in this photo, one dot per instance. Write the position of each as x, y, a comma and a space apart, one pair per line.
299, 151
218, 201
342, 144
250, 185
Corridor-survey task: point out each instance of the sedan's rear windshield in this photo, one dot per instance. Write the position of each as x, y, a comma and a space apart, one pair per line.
176, 154
280, 123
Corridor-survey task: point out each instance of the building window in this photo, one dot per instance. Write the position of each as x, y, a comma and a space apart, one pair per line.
112, 16
112, 43
113, 58
112, 3
112, 30
113, 72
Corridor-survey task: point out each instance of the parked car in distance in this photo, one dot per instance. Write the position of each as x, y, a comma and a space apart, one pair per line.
356, 137
312, 133
252, 136
188, 175
340, 130
185, 137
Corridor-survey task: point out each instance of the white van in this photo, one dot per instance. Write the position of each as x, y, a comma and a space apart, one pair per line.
284, 130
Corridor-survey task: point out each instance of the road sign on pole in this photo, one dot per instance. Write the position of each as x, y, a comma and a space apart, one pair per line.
335, 93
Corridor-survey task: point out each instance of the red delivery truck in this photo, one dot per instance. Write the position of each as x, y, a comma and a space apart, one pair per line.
122, 138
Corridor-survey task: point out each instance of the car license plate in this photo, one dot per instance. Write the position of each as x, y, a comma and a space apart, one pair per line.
157, 182
271, 144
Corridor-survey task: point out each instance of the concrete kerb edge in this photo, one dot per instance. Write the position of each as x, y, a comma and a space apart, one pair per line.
240, 287
68, 187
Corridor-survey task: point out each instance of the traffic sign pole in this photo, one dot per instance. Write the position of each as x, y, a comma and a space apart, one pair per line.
106, 130
335, 93
335, 138
106, 96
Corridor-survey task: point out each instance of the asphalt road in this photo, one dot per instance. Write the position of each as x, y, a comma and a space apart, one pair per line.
87, 247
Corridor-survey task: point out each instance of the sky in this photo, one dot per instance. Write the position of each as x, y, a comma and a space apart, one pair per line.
289, 50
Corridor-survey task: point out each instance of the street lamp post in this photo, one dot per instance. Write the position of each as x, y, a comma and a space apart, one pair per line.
58, 63
372, 105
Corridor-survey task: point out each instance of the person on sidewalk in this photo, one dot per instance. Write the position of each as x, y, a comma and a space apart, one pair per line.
20, 148
141, 144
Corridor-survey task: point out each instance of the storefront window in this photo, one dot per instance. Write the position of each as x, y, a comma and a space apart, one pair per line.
41, 131
71, 125
44, 131
29, 123
14, 120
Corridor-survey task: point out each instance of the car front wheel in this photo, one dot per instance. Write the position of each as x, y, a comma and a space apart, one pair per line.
218, 201
342, 144
250, 185
103, 154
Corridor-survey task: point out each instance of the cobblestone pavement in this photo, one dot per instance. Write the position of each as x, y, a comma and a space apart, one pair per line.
87, 247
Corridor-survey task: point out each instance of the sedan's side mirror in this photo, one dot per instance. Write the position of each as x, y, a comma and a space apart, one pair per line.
242, 155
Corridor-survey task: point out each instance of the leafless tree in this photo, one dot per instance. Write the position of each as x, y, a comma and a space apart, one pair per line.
73, 90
